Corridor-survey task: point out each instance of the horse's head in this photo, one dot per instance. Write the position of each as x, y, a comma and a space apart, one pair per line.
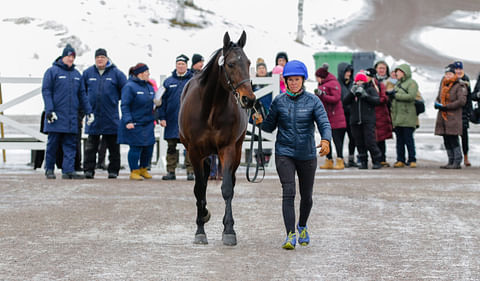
235, 65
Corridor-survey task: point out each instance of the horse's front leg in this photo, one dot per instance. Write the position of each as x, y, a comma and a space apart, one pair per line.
230, 162
200, 190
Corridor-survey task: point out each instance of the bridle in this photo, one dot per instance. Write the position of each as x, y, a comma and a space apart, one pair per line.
234, 88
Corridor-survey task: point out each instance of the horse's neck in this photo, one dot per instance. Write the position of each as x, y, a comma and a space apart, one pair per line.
215, 98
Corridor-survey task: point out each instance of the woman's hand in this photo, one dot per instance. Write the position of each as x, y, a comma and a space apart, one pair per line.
324, 147
130, 126
163, 123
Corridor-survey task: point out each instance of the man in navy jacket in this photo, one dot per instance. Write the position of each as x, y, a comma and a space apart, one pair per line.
168, 114
63, 95
103, 83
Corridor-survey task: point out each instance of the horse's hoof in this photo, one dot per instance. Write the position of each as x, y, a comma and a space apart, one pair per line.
229, 239
200, 239
206, 218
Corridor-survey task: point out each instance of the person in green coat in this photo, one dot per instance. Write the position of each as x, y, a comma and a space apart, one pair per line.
404, 115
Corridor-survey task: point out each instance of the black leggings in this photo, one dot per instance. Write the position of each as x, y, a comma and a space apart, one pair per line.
383, 150
351, 139
286, 168
338, 136
465, 140
450, 141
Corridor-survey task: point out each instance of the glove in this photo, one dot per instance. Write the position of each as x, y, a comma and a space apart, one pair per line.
360, 92
257, 116
439, 106
324, 147
90, 119
51, 117
391, 93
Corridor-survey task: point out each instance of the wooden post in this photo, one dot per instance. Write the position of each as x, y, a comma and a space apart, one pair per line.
1, 127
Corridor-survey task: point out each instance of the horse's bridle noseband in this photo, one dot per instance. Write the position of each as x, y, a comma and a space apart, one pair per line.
221, 62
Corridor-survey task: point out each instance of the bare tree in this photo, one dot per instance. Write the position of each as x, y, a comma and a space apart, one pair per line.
180, 16
189, 3
300, 22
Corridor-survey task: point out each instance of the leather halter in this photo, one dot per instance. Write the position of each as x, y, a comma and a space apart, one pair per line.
221, 62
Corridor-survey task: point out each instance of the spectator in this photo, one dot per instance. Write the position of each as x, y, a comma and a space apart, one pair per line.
168, 115
197, 63
103, 83
344, 72
404, 115
295, 147
466, 110
63, 95
279, 70
451, 98
281, 59
330, 93
383, 120
136, 126
364, 97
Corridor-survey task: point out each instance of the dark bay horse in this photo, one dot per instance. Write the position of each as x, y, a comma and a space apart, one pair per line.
213, 120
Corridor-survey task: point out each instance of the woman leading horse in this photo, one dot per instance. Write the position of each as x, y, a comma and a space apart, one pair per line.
213, 120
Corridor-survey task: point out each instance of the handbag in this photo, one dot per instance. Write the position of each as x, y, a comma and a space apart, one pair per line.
475, 116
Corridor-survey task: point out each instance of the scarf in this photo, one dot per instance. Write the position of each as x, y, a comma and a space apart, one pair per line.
447, 84
293, 95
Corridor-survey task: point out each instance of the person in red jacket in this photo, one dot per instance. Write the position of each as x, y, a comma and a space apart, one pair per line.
330, 93
383, 120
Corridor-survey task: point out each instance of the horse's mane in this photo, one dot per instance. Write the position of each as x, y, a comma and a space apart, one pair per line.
207, 70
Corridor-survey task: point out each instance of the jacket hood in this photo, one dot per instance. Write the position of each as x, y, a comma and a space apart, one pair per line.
405, 68
341, 69
187, 74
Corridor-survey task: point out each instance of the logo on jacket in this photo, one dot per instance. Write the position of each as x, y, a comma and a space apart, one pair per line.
92, 79
76, 78
62, 77
140, 93
109, 79
173, 86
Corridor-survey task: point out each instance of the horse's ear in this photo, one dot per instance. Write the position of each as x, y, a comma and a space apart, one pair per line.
226, 41
243, 39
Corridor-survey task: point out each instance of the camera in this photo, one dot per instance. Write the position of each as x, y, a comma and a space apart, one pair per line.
359, 91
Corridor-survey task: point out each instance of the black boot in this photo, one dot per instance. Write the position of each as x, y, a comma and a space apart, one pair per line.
170, 176
351, 162
450, 160
377, 165
363, 165
89, 174
457, 158
190, 177
72, 176
50, 175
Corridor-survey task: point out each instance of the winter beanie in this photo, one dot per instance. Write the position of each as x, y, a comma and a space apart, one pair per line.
321, 72
182, 57
101, 52
361, 77
281, 55
370, 72
450, 68
195, 59
458, 65
68, 51
260, 62
139, 68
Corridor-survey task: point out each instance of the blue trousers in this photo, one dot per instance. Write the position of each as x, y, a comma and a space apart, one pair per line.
405, 138
139, 153
69, 147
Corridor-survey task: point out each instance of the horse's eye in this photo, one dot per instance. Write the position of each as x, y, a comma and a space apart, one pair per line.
231, 64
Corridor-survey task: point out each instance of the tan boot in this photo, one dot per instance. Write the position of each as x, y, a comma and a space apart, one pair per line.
135, 175
144, 173
465, 160
328, 164
339, 165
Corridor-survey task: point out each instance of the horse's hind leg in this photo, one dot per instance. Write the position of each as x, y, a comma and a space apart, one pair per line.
200, 189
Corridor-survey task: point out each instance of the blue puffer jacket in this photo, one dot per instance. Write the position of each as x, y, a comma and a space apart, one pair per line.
137, 108
64, 94
295, 118
171, 102
104, 92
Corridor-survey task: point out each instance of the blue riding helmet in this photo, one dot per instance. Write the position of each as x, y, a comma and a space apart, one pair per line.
295, 68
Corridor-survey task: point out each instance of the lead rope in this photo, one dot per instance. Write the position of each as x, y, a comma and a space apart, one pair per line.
260, 157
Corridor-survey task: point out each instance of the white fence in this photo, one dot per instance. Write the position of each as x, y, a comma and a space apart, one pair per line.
37, 140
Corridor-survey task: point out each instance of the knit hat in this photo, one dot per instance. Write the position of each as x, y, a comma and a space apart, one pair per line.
361, 77
101, 52
260, 62
458, 65
281, 55
182, 57
195, 59
68, 51
321, 72
277, 69
370, 72
450, 68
